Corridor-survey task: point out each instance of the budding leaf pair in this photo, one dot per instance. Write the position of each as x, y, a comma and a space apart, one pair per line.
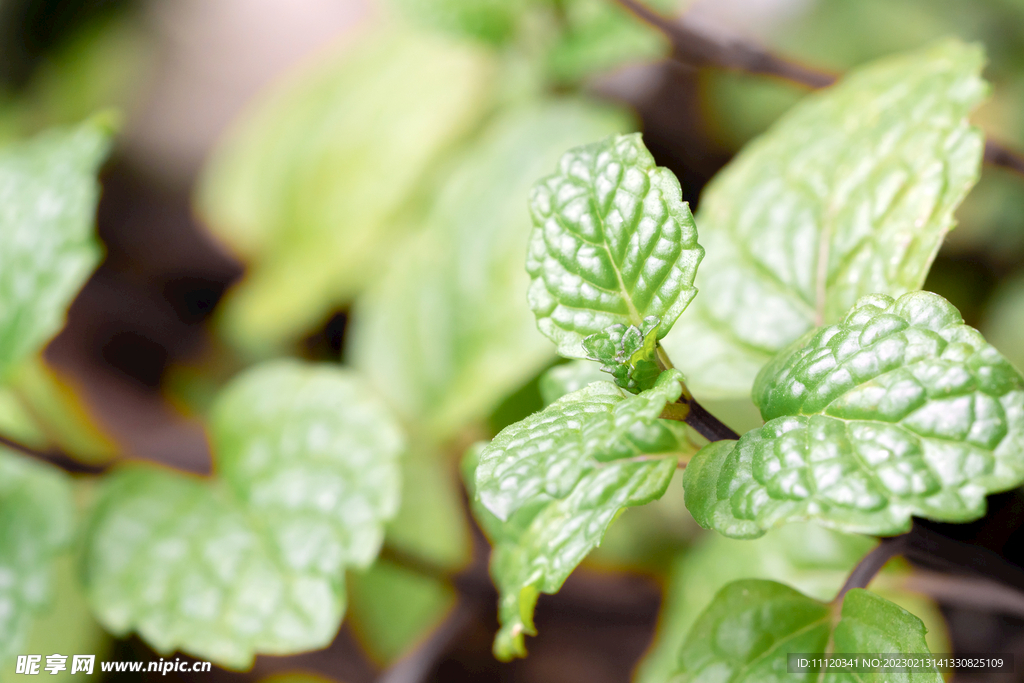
628, 353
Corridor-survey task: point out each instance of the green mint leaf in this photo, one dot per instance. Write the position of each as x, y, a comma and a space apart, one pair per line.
310, 186
546, 489
899, 410
491, 21
744, 636
612, 243
598, 36
850, 193
628, 353
567, 378
447, 334
807, 557
48, 246
391, 608
252, 561
36, 524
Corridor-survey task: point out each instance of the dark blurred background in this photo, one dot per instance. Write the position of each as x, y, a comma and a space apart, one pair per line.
182, 71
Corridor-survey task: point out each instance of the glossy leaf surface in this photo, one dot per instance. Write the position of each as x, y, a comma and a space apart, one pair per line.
48, 246
612, 243
547, 488
747, 631
850, 193
253, 561
899, 410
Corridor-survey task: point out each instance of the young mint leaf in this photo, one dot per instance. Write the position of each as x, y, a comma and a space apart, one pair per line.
447, 334
546, 488
744, 636
253, 561
899, 410
309, 186
48, 191
36, 523
807, 557
850, 193
628, 353
612, 243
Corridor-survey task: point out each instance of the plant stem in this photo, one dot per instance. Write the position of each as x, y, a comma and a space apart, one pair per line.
871, 564
696, 47
55, 458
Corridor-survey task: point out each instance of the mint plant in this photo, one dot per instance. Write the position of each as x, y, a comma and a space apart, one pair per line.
796, 289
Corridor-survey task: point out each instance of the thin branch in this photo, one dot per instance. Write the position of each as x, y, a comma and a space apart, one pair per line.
931, 549
696, 47
416, 666
871, 564
55, 458
967, 591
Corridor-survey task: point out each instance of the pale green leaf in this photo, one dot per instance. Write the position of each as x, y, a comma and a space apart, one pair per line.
744, 636
491, 21
48, 247
612, 243
36, 525
391, 608
899, 410
850, 193
1004, 321
309, 186
447, 333
569, 377
253, 561
813, 560
546, 488
431, 523
600, 35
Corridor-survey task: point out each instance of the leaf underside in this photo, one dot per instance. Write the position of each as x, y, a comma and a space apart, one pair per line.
850, 193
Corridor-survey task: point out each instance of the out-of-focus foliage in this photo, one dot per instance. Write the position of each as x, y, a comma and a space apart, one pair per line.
391, 607
850, 193
1004, 325
309, 188
252, 561
36, 523
48, 195
446, 334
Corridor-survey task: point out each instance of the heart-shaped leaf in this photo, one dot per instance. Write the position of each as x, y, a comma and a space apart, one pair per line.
850, 193
252, 561
547, 488
899, 410
612, 243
